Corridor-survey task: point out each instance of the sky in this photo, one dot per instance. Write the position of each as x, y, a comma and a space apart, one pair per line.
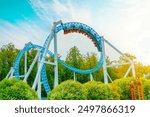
124, 23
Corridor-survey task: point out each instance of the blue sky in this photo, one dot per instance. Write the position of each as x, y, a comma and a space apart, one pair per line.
14, 10
124, 23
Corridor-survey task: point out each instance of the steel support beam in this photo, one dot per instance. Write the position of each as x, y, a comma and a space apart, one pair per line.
55, 61
39, 82
117, 64
146, 75
131, 62
128, 71
91, 77
104, 63
31, 66
25, 63
74, 76
10, 73
47, 44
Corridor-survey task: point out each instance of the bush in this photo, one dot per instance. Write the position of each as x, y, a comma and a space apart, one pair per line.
98, 91
115, 91
12, 89
68, 90
124, 84
146, 87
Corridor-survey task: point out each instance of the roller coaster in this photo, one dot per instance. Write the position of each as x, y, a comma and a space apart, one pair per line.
43, 51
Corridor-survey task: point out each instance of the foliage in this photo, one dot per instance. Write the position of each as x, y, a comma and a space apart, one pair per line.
74, 58
124, 84
68, 90
121, 70
141, 69
98, 91
146, 87
130, 56
12, 89
115, 91
8, 54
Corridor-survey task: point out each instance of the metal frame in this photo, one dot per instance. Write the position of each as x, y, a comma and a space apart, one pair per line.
31, 67
146, 75
10, 73
43, 51
37, 80
104, 63
106, 75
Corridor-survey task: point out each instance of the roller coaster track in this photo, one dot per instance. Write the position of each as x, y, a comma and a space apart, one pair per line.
70, 27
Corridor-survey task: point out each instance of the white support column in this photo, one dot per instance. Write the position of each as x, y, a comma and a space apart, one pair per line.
117, 50
128, 71
74, 76
47, 44
133, 69
118, 64
25, 63
131, 62
109, 77
7, 76
39, 88
55, 61
146, 75
104, 63
31, 66
39, 82
91, 77
12, 73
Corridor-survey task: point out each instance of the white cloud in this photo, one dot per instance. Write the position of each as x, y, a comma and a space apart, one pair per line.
42, 9
20, 33
73, 11
125, 24
57, 10
128, 27
67, 12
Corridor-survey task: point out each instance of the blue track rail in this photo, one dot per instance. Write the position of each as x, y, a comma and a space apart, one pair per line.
66, 26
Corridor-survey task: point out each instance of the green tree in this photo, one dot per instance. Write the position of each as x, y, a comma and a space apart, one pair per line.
91, 60
123, 59
75, 59
121, 70
141, 69
8, 54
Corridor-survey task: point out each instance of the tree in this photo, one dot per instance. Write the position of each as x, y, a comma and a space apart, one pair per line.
75, 59
141, 69
8, 54
123, 59
121, 70
91, 61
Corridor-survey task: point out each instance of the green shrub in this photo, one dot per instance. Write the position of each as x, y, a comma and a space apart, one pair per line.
98, 91
124, 84
146, 87
68, 90
115, 91
12, 89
